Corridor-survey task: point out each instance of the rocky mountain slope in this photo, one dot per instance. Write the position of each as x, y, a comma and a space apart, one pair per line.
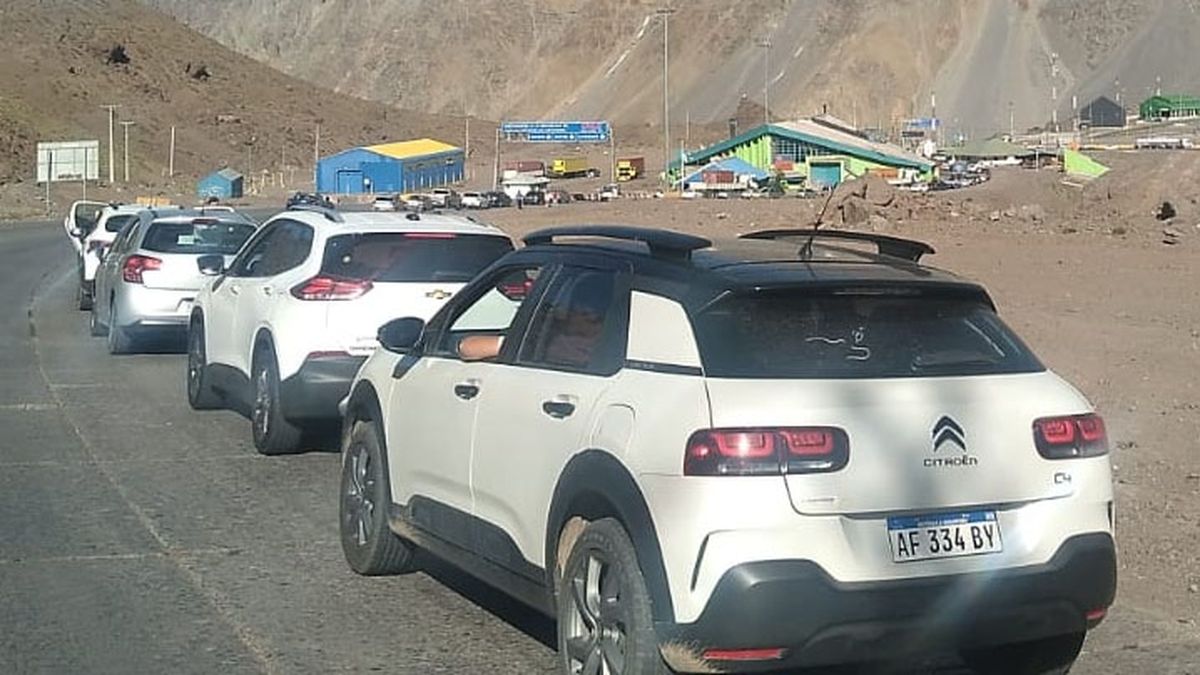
874, 60
59, 69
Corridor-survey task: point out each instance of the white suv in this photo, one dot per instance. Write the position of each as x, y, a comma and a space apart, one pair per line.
775, 452
282, 330
92, 228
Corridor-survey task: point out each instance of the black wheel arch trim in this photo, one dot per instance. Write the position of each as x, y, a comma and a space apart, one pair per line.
596, 484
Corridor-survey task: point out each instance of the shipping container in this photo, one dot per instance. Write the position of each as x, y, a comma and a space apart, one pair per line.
528, 166
571, 167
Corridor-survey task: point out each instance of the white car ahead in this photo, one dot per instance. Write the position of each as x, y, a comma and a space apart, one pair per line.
92, 227
283, 329
764, 454
151, 273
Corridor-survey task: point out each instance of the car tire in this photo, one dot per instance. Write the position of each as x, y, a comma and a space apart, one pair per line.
273, 434
119, 340
1049, 656
370, 546
604, 607
200, 393
95, 328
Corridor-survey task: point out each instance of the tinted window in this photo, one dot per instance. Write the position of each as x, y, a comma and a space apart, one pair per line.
118, 223
284, 247
568, 329
197, 237
398, 257
802, 335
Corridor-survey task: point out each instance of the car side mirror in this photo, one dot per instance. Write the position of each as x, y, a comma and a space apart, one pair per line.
401, 335
211, 265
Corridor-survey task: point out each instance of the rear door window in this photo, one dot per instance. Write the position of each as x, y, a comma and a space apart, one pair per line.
411, 257
575, 327
118, 222
801, 334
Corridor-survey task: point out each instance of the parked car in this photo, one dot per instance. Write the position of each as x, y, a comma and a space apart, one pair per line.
474, 200
284, 327
416, 202
497, 199
384, 203
93, 240
777, 452
534, 198
445, 198
308, 199
151, 273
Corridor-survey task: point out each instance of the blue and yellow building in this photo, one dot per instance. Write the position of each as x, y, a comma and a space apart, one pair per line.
405, 166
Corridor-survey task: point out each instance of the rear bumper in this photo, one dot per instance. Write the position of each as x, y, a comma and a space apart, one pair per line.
316, 389
155, 308
796, 605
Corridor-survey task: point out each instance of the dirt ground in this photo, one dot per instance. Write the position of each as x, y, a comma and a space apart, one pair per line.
1117, 315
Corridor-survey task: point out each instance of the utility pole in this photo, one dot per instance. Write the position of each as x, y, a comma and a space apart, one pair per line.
665, 13
171, 158
317, 159
112, 162
126, 124
496, 166
467, 151
1012, 127
765, 43
49, 176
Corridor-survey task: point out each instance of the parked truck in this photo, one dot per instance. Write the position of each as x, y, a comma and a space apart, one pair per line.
629, 168
571, 167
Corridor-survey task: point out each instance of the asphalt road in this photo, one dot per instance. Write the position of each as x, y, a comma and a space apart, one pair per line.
137, 536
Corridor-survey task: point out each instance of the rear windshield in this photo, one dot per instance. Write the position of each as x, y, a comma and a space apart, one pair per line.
118, 223
198, 238
400, 257
793, 335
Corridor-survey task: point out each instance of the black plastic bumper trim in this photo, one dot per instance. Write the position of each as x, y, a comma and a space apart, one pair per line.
315, 390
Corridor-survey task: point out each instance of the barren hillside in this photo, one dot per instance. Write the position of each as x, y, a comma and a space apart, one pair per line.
228, 109
870, 59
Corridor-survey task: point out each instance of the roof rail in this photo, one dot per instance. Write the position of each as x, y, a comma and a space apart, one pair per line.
332, 215
662, 243
893, 247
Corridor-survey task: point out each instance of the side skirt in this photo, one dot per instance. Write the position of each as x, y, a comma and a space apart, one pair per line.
520, 586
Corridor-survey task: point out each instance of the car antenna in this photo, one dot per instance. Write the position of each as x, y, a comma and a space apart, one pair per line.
807, 250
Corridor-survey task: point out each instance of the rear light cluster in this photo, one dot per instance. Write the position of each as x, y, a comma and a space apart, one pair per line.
766, 451
1071, 436
135, 265
331, 288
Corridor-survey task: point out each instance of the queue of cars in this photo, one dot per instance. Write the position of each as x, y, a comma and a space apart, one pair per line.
791, 449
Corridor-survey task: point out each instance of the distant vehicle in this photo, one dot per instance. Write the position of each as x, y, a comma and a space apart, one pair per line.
559, 197
1162, 143
531, 167
474, 200
97, 230
689, 193
791, 452
308, 199
384, 203
445, 198
629, 168
416, 202
497, 199
151, 273
533, 198
572, 167
284, 326
610, 192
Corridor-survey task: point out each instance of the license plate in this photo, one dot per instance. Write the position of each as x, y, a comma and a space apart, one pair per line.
945, 535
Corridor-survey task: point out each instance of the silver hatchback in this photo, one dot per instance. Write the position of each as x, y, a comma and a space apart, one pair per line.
151, 273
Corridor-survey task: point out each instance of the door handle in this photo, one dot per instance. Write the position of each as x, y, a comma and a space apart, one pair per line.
267, 290
558, 409
466, 390
234, 290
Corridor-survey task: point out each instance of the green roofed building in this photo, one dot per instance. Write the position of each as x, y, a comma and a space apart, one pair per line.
1169, 106
824, 153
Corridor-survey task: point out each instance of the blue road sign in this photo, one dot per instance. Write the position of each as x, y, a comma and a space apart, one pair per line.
557, 132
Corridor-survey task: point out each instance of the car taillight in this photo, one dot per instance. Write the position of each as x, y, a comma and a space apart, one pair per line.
766, 451
135, 265
331, 288
1070, 436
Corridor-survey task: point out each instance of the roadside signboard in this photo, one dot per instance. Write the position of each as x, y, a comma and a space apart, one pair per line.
557, 132
68, 161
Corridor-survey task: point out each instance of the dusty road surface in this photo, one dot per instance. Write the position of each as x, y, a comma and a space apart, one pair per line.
138, 536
